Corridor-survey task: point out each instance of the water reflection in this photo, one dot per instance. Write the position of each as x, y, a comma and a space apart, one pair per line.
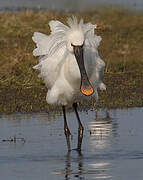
102, 126
68, 167
101, 129
80, 169
111, 148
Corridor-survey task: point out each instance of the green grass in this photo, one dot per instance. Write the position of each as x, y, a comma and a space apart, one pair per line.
121, 49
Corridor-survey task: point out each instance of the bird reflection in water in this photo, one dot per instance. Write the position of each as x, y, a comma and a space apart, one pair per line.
84, 169
101, 129
68, 169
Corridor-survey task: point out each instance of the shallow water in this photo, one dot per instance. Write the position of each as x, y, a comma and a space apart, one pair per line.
65, 5
112, 146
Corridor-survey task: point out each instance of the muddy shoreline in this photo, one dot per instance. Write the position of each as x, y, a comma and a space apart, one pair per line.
124, 90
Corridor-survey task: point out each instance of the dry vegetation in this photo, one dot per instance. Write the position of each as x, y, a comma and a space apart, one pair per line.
121, 49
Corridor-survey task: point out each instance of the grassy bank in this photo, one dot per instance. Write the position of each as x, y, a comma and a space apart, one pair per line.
121, 49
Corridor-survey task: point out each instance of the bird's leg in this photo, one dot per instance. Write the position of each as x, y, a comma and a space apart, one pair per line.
66, 129
80, 128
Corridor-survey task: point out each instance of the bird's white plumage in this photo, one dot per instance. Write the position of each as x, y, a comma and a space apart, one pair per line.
57, 63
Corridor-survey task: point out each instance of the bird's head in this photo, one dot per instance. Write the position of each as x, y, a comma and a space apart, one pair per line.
75, 45
75, 37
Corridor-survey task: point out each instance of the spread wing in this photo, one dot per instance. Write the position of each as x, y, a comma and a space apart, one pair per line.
51, 50
96, 64
49, 44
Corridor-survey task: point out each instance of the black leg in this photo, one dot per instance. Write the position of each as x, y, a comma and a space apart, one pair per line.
80, 128
66, 129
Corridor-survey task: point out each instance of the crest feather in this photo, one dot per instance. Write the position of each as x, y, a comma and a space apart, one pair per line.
73, 22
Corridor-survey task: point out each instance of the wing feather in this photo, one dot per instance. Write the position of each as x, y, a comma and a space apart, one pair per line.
49, 44
42, 42
97, 65
57, 26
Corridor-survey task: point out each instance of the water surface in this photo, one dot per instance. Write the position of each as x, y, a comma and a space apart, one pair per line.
66, 5
112, 146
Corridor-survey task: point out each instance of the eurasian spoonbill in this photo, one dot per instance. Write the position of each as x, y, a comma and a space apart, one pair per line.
70, 66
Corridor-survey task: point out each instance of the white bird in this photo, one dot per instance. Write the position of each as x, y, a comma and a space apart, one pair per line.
70, 66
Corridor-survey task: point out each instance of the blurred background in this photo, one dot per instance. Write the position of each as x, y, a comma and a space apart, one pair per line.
68, 5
